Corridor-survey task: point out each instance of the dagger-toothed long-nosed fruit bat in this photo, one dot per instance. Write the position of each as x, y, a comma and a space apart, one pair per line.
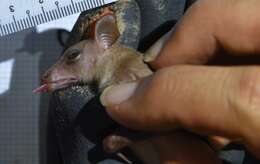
103, 60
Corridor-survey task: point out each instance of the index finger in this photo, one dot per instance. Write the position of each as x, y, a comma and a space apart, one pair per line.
210, 26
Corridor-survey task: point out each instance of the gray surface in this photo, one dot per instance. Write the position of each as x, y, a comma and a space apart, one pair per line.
22, 113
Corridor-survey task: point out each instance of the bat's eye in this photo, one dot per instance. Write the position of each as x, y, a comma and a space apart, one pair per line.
73, 56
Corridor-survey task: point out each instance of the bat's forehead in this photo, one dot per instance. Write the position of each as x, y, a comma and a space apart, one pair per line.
85, 47
81, 45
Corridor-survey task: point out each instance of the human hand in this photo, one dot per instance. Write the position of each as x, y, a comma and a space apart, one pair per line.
213, 101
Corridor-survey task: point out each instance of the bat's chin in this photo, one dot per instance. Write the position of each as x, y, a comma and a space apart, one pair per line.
51, 86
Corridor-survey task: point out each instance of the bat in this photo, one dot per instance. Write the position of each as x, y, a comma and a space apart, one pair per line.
102, 60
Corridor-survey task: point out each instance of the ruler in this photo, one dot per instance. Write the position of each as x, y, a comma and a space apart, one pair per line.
18, 15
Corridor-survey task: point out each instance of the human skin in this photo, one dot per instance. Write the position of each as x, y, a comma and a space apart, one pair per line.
186, 94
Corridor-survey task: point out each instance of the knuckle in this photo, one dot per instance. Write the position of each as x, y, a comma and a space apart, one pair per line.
249, 89
164, 83
160, 92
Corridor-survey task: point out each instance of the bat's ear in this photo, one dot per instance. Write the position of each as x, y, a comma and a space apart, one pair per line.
106, 31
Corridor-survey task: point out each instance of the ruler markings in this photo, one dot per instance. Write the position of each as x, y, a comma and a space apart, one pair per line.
17, 28
47, 17
57, 14
5, 32
67, 10
99, 3
13, 26
95, 2
9, 28
34, 23
91, 4
21, 24
82, 6
36, 19
53, 14
6, 26
30, 20
77, 8
20, 28
28, 23
47, 14
71, 10
73, 6
85, 4
24, 22
44, 14
40, 17
2, 31
88, 4
62, 12
58, 8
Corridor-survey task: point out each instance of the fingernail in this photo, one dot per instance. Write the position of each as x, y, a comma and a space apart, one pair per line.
115, 95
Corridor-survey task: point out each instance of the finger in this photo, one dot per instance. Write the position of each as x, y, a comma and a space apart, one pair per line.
182, 148
176, 148
204, 30
208, 100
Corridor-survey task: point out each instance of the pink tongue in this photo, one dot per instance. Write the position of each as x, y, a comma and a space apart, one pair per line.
41, 89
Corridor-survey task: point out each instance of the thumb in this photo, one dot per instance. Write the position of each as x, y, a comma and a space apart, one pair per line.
179, 96
121, 101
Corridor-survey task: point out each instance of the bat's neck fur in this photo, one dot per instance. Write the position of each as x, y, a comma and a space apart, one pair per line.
120, 64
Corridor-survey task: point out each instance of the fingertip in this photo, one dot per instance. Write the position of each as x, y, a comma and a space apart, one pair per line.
116, 94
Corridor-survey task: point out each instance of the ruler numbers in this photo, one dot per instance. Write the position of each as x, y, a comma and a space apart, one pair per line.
24, 14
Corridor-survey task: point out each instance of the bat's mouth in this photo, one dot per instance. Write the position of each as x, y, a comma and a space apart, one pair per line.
50, 86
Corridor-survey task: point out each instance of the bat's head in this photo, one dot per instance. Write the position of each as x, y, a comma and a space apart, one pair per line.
78, 64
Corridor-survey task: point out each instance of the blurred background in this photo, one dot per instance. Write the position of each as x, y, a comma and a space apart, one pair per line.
24, 56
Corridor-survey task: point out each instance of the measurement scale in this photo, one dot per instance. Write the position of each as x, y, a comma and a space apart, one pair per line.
18, 15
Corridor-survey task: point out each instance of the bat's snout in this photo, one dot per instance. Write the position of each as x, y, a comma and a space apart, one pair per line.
55, 79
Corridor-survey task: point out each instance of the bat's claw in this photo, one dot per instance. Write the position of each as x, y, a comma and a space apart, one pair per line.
115, 143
